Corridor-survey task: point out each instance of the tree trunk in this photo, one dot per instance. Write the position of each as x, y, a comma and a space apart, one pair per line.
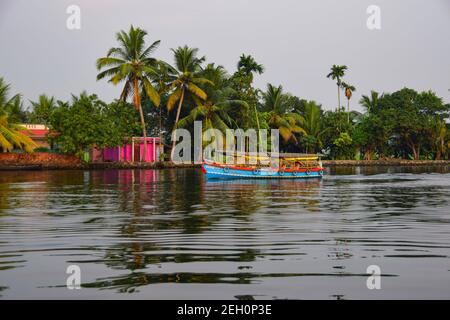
176, 123
415, 153
348, 110
137, 102
339, 96
160, 127
257, 123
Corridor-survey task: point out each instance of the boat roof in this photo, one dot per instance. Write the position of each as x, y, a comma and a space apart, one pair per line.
285, 156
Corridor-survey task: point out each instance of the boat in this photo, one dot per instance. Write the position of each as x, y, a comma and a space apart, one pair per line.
290, 166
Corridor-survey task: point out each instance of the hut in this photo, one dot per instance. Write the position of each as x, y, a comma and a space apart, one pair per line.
131, 151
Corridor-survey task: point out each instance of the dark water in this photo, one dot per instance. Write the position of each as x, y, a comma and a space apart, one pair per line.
171, 234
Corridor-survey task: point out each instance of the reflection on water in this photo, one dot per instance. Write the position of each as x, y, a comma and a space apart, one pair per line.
173, 234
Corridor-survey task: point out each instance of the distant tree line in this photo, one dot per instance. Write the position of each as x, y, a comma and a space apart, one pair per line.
156, 97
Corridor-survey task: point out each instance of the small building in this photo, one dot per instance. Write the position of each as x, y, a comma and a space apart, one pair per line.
37, 133
131, 151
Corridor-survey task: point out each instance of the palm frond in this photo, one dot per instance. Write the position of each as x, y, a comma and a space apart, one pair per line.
173, 98
196, 90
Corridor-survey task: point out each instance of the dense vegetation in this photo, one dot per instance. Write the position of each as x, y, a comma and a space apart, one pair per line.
403, 124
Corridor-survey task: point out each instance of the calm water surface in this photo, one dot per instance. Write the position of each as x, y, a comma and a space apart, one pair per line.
172, 234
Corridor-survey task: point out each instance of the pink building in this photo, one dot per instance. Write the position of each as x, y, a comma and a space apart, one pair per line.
130, 152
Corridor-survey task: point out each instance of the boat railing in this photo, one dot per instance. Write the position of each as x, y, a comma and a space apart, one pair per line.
269, 159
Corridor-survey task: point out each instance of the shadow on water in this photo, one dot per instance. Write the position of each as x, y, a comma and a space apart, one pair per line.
139, 228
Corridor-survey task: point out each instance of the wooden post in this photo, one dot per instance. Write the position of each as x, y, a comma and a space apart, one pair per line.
132, 149
154, 149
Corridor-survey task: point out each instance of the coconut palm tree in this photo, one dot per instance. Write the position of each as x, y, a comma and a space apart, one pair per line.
132, 64
162, 79
278, 114
349, 89
214, 112
311, 123
5, 101
370, 103
12, 135
337, 72
11, 106
186, 80
42, 109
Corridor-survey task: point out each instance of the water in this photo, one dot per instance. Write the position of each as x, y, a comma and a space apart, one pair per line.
172, 234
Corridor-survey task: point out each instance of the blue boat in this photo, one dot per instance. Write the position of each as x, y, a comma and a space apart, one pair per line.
292, 166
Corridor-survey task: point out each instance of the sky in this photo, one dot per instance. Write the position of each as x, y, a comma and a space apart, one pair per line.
297, 42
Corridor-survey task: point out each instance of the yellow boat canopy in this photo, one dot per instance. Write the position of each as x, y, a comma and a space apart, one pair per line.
284, 156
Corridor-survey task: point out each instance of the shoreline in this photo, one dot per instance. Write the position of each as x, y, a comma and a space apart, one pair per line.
169, 165
49, 161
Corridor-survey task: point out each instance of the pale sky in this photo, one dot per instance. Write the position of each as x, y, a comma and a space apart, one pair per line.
296, 41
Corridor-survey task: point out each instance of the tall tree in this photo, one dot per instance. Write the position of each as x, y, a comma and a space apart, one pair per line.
132, 63
279, 115
337, 72
215, 110
186, 80
248, 65
349, 89
162, 79
371, 103
311, 123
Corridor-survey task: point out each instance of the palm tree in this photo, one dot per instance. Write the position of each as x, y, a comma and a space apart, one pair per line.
214, 112
162, 78
11, 135
11, 106
349, 89
311, 123
131, 62
42, 109
186, 80
337, 72
213, 116
4, 93
438, 135
278, 113
248, 65
370, 103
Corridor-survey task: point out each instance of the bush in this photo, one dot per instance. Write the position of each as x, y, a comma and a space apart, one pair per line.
42, 149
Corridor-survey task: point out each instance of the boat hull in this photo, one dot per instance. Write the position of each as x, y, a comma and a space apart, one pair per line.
214, 171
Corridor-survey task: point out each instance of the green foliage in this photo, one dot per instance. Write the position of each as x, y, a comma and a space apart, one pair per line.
42, 110
404, 124
42, 149
279, 114
343, 147
86, 122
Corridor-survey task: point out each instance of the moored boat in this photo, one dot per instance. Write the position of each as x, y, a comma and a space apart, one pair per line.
291, 166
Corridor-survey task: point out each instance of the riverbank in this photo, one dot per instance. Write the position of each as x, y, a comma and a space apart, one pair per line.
390, 163
51, 161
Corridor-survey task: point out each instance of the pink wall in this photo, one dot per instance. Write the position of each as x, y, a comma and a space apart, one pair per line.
126, 152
